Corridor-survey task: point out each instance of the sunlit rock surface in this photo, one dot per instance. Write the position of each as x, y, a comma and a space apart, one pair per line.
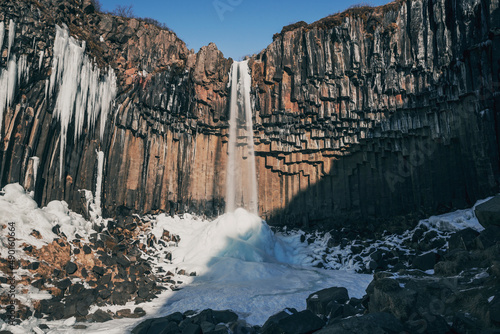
359, 117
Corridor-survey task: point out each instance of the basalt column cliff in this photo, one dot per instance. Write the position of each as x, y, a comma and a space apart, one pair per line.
361, 116
379, 112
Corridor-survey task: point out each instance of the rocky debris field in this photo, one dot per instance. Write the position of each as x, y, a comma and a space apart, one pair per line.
432, 279
112, 268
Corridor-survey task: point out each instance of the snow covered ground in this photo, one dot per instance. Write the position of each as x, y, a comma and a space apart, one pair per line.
240, 263
18, 207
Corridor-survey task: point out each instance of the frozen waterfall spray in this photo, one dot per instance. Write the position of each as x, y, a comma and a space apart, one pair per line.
241, 179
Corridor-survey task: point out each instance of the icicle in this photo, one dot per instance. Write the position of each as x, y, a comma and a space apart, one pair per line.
22, 69
81, 98
69, 68
8, 79
108, 97
36, 163
2, 34
82, 93
12, 35
40, 60
12, 73
98, 186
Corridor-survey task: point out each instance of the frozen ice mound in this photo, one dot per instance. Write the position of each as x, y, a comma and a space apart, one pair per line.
240, 235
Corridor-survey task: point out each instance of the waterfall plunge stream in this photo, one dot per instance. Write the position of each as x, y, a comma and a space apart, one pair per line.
241, 179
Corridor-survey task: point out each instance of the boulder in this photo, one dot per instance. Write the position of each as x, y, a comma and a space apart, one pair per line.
318, 302
425, 261
101, 316
270, 323
488, 213
296, 323
70, 268
388, 295
163, 325
192, 329
495, 312
463, 239
489, 237
224, 317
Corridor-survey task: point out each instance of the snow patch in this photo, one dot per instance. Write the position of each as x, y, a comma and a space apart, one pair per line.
17, 206
455, 221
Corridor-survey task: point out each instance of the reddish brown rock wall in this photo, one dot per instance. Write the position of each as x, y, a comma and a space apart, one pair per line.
362, 116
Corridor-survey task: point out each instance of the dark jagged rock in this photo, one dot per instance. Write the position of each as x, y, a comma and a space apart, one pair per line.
322, 301
70, 268
271, 323
297, 323
224, 316
426, 261
101, 316
463, 239
489, 237
488, 213
192, 329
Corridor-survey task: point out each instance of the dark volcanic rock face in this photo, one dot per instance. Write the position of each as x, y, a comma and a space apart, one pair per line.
379, 112
162, 138
371, 113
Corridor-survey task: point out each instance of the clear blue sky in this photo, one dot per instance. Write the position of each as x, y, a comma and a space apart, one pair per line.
238, 27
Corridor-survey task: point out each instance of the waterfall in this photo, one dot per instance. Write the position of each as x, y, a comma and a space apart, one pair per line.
241, 178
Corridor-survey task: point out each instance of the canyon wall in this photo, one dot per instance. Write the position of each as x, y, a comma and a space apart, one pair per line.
360, 117
379, 112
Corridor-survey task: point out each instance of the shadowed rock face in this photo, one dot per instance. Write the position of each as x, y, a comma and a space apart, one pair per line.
361, 116
379, 112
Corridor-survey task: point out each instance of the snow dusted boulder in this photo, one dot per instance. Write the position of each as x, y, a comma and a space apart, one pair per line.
488, 213
321, 302
293, 322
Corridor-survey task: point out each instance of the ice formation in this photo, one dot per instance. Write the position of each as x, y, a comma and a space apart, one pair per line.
23, 70
98, 186
241, 180
12, 35
36, 163
83, 93
8, 81
40, 60
2, 33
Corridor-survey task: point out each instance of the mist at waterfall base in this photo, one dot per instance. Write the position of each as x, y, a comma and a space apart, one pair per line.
243, 266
